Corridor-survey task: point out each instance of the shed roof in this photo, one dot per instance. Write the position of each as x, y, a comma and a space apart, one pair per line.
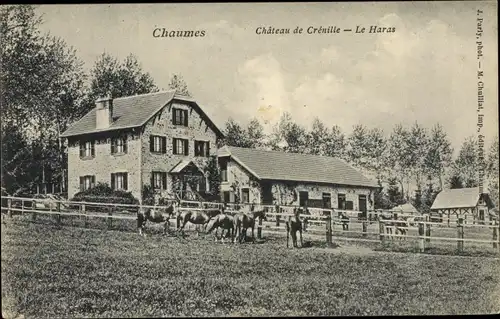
273, 165
406, 208
458, 198
132, 111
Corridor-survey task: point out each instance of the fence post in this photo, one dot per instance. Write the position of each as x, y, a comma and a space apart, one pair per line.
278, 209
364, 225
58, 216
460, 234
259, 229
85, 218
9, 206
421, 240
381, 228
495, 237
33, 214
329, 230
427, 229
110, 220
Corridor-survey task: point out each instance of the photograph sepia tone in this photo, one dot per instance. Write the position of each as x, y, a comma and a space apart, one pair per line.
249, 159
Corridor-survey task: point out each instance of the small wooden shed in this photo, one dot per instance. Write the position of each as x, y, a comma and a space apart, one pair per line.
463, 202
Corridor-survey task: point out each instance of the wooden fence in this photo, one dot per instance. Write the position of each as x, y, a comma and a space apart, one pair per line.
324, 222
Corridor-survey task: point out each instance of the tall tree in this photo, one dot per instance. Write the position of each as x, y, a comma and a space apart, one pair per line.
358, 146
466, 164
177, 82
336, 144
235, 135
255, 134
416, 151
318, 138
439, 154
399, 156
41, 90
110, 77
288, 136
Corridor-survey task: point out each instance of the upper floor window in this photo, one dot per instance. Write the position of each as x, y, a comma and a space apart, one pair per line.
223, 170
179, 117
87, 182
341, 201
119, 181
87, 149
201, 148
158, 144
118, 145
245, 195
181, 146
159, 180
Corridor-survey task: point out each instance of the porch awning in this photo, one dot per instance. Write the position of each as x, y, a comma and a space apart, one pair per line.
182, 165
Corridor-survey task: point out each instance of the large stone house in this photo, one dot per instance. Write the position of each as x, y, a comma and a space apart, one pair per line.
270, 177
160, 139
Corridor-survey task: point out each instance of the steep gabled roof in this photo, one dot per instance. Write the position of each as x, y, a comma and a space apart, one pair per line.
458, 198
406, 208
133, 111
272, 165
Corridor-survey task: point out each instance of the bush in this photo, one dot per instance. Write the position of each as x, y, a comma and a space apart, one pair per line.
102, 193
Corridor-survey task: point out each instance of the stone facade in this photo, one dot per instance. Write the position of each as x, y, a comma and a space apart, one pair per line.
161, 125
287, 193
139, 161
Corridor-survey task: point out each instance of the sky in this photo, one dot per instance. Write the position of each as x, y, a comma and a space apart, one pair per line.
425, 71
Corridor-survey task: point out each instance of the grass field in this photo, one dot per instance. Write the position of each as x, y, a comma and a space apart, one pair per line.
74, 272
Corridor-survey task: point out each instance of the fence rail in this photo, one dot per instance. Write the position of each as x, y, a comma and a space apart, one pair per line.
326, 222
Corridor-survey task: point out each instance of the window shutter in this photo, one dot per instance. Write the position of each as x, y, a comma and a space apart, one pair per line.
207, 149
151, 143
185, 117
92, 184
173, 115
175, 145
164, 180
113, 181
92, 148
125, 181
125, 145
153, 180
164, 145
81, 183
113, 148
186, 147
82, 149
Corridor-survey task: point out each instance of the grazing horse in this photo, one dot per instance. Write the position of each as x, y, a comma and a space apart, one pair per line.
243, 221
224, 221
196, 217
156, 215
294, 224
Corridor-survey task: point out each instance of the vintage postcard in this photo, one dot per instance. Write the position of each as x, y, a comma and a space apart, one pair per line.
249, 159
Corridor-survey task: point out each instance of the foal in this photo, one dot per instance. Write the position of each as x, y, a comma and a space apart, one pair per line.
195, 217
294, 224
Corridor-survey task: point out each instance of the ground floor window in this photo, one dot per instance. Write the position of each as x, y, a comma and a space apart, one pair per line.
159, 180
303, 198
245, 195
87, 182
119, 181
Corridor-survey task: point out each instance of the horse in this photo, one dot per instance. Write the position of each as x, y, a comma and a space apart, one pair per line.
294, 224
224, 221
156, 215
243, 221
195, 217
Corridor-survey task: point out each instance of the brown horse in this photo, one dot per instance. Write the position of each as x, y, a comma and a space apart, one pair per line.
196, 217
244, 220
223, 221
294, 224
156, 215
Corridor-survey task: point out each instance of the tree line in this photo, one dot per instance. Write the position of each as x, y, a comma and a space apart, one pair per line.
411, 164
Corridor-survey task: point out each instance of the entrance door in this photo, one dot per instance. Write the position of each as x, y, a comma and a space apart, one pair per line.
303, 198
362, 205
267, 194
481, 216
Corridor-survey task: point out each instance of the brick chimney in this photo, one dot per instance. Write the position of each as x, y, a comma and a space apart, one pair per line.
104, 112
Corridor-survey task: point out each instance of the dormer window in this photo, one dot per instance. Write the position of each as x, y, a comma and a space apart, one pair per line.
179, 117
87, 149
